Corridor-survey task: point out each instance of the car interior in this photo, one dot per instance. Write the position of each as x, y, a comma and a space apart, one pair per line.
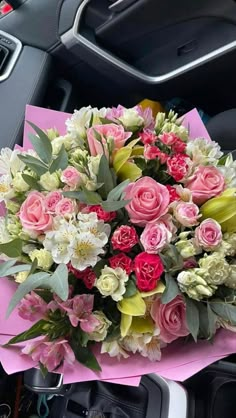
65, 54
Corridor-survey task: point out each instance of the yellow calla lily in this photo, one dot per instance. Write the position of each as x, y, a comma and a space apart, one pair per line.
155, 106
133, 306
126, 321
124, 168
223, 209
142, 325
159, 289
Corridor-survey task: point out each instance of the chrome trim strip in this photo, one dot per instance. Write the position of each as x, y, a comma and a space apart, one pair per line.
72, 37
48, 390
14, 58
120, 5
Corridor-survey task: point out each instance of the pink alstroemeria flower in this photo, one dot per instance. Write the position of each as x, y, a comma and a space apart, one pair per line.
79, 310
50, 353
32, 307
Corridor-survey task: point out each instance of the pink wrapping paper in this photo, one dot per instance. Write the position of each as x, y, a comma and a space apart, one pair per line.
179, 360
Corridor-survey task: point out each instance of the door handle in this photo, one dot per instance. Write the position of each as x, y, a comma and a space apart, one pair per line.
75, 37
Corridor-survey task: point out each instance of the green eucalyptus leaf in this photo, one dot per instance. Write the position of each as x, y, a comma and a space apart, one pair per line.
34, 164
59, 282
41, 143
192, 317
61, 162
105, 177
85, 196
117, 192
35, 331
4, 267
212, 321
225, 311
31, 181
12, 249
110, 206
171, 289
99, 266
34, 266
18, 268
131, 289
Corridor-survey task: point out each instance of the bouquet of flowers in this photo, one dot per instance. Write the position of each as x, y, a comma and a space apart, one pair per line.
121, 233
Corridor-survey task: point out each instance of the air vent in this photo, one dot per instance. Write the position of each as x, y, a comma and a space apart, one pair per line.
10, 49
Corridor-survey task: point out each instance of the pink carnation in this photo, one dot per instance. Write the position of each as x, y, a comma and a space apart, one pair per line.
124, 238
170, 318
148, 137
149, 201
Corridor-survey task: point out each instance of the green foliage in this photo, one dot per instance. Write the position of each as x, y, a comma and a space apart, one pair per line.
192, 317
171, 290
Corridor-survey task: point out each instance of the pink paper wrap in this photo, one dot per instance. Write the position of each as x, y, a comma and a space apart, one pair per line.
179, 360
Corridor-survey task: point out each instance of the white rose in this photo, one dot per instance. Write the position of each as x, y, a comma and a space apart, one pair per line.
100, 332
112, 283
131, 119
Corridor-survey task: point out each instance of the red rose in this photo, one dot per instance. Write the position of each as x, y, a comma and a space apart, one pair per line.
179, 147
179, 166
88, 276
148, 137
173, 194
124, 238
102, 214
123, 261
148, 270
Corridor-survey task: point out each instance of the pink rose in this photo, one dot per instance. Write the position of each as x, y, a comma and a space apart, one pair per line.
167, 220
206, 183
187, 213
106, 132
155, 237
51, 201
124, 238
170, 318
149, 201
65, 207
71, 177
208, 234
33, 215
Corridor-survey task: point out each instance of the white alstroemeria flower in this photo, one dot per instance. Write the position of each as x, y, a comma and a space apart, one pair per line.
229, 171
6, 191
114, 349
10, 164
58, 242
90, 223
147, 345
203, 151
85, 249
78, 124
